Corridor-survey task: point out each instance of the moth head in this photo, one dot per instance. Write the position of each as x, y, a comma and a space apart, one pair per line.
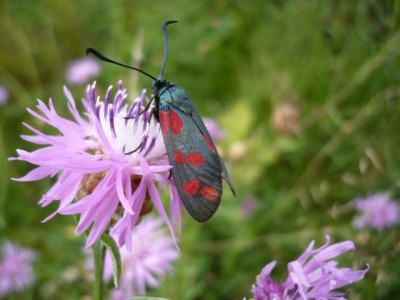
160, 85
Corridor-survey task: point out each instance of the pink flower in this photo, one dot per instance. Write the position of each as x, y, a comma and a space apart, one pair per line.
149, 260
215, 131
16, 272
314, 275
3, 95
82, 70
377, 211
248, 205
107, 164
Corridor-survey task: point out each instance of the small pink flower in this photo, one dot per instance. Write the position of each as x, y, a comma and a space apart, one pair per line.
215, 131
149, 260
3, 95
16, 272
377, 211
248, 205
82, 70
314, 275
107, 164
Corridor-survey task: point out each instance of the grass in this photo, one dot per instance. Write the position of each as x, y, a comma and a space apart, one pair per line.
240, 62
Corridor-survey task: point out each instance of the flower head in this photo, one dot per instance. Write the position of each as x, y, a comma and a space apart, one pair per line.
149, 260
3, 95
15, 268
215, 131
82, 70
285, 118
377, 211
314, 275
248, 205
107, 164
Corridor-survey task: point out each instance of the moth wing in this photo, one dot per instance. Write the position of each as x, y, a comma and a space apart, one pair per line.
200, 124
181, 101
196, 163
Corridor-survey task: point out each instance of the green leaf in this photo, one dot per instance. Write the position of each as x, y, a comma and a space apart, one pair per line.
112, 247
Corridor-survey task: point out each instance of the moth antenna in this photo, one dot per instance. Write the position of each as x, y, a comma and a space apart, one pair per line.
106, 59
164, 28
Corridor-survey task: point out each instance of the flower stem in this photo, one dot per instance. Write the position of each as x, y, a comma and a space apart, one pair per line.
98, 254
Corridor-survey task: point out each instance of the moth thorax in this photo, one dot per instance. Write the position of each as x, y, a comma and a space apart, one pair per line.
159, 84
90, 182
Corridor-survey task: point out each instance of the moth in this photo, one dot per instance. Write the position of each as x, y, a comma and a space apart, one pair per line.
197, 168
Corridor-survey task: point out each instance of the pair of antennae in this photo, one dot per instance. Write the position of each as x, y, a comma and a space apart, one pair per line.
106, 59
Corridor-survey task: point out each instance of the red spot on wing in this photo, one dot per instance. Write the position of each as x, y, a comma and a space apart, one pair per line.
163, 122
179, 157
212, 149
191, 187
195, 159
175, 122
209, 193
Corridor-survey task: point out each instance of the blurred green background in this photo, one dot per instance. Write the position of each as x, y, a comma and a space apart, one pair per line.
307, 93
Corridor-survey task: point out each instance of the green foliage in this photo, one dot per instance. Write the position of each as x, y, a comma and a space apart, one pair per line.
336, 64
112, 248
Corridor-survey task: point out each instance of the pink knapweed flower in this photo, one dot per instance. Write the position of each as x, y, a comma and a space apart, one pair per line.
215, 131
314, 275
149, 260
82, 70
377, 211
248, 205
16, 272
3, 95
107, 164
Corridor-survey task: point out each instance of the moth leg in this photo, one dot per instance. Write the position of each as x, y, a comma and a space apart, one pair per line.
136, 149
153, 112
148, 105
146, 108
